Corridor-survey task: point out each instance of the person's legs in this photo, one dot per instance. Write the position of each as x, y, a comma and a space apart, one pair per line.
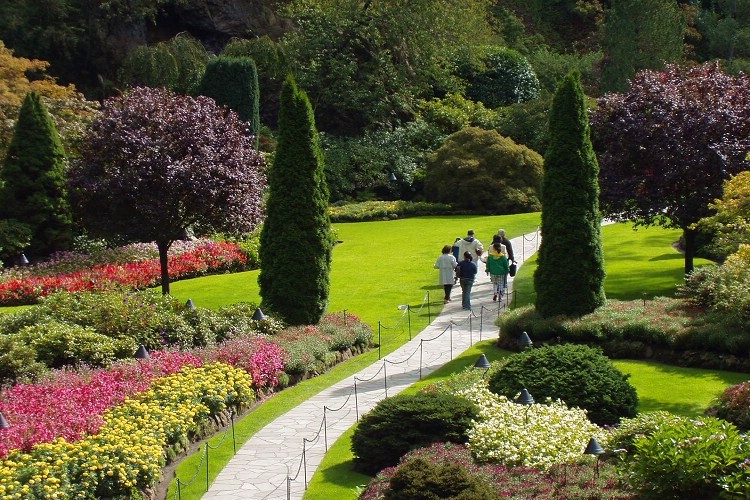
469, 285
464, 296
447, 289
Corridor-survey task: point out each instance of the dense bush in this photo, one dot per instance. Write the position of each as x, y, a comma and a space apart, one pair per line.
577, 374
699, 458
422, 479
575, 480
538, 435
377, 210
405, 422
454, 112
508, 78
526, 123
734, 405
724, 289
481, 170
628, 430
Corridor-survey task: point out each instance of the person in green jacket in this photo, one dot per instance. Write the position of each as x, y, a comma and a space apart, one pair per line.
497, 267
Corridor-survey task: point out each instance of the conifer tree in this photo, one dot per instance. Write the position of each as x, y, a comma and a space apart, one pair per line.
569, 279
233, 82
32, 180
296, 240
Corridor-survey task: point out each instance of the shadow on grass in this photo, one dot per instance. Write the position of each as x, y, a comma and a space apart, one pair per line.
654, 404
344, 476
668, 256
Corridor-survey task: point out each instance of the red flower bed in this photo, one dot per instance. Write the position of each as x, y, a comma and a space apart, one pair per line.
209, 257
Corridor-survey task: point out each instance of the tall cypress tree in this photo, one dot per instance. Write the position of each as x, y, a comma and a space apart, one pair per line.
33, 180
569, 279
296, 240
233, 82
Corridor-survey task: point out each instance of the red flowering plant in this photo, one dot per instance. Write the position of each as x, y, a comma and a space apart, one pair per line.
202, 259
262, 359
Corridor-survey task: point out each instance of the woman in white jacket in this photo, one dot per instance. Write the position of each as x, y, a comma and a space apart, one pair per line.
446, 263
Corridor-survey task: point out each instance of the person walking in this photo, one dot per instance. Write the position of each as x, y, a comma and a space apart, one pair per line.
500, 238
472, 245
467, 271
446, 263
498, 267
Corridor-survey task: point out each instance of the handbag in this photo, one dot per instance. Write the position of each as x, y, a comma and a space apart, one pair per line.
512, 269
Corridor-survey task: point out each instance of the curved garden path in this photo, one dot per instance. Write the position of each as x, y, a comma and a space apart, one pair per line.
279, 460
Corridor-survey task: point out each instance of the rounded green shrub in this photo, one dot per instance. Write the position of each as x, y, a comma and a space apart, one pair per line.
579, 375
18, 361
507, 78
420, 479
406, 422
478, 169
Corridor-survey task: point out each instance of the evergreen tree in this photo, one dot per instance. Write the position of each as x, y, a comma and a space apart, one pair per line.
233, 82
296, 240
570, 277
33, 180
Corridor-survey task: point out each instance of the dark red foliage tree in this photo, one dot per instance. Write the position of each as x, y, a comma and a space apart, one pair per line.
667, 144
155, 163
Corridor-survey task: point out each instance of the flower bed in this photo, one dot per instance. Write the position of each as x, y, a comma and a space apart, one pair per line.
25, 287
127, 453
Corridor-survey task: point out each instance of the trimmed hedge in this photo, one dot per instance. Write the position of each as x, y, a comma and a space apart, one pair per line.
402, 423
579, 375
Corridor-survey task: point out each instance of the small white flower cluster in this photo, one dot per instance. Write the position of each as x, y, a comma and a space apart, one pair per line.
539, 435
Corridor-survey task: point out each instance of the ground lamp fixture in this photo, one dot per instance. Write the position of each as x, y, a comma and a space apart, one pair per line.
392, 177
258, 315
524, 340
22, 260
141, 353
3, 423
482, 363
189, 304
594, 448
525, 399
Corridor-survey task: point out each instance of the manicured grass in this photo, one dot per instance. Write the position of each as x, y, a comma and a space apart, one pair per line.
640, 264
684, 391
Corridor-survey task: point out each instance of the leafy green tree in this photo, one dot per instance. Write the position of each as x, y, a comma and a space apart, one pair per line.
506, 78
155, 163
177, 65
725, 26
296, 241
367, 63
233, 82
569, 279
731, 222
667, 145
32, 180
481, 170
640, 34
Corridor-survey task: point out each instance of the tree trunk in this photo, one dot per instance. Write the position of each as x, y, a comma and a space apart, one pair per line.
689, 235
163, 247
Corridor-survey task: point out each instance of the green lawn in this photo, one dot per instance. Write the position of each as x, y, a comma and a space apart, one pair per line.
640, 264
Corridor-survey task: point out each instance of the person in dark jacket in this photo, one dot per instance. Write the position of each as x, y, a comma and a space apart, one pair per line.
468, 271
500, 238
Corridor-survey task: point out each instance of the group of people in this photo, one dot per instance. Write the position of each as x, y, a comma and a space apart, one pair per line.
459, 263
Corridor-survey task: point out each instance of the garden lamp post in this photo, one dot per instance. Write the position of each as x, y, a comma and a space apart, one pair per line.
258, 315
141, 353
524, 340
525, 399
3, 423
22, 260
190, 305
594, 448
392, 177
483, 364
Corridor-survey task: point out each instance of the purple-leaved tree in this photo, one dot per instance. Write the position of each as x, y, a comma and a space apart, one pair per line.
667, 145
155, 163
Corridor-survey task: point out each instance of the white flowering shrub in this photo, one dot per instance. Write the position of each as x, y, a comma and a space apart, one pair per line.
539, 435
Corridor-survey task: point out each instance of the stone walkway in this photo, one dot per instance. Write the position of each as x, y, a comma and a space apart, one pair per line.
279, 460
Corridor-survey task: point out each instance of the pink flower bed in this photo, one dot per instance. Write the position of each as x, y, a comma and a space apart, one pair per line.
70, 404
208, 257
